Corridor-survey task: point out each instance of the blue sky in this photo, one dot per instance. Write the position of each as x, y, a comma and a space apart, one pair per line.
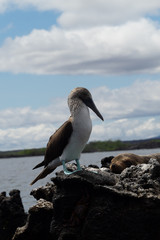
38, 90
15, 22
48, 48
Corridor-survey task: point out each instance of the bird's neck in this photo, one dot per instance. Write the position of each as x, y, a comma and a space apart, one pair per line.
81, 121
78, 109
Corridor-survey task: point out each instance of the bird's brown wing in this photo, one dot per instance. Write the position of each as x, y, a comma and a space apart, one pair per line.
57, 142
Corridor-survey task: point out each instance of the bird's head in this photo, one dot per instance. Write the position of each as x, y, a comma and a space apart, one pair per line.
85, 96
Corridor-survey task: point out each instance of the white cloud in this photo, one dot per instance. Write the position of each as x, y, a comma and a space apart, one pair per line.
82, 13
127, 129
19, 117
94, 37
129, 113
129, 48
30, 128
105, 12
25, 137
141, 99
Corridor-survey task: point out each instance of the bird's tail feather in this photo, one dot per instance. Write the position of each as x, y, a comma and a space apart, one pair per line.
39, 165
43, 174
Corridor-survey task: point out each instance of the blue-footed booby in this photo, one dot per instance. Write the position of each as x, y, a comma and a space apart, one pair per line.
67, 143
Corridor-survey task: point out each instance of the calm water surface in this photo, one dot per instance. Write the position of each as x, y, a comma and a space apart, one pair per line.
17, 173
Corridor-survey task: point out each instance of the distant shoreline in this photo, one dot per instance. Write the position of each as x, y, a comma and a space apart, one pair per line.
96, 146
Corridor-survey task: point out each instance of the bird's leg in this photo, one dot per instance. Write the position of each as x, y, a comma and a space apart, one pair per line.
65, 169
68, 172
78, 165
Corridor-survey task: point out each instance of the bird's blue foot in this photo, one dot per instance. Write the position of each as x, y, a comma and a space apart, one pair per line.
68, 172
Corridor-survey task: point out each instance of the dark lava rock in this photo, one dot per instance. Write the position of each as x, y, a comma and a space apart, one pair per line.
93, 166
105, 162
38, 222
12, 214
45, 192
99, 205
89, 208
143, 180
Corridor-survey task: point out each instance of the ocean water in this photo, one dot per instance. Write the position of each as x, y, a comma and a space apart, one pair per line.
17, 173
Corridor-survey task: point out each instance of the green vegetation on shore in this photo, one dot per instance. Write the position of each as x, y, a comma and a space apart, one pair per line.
96, 146
102, 146
22, 153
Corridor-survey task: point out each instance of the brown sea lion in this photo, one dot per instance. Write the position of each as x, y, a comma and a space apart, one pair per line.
124, 160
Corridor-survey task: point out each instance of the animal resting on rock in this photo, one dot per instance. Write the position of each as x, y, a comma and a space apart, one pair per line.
124, 160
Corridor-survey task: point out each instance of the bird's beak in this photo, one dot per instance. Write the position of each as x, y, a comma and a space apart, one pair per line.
89, 102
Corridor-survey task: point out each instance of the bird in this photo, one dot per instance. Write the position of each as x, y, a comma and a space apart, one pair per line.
67, 143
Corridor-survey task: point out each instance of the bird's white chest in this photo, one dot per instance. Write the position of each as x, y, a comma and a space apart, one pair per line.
82, 127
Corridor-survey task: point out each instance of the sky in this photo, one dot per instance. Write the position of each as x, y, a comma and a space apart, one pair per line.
47, 48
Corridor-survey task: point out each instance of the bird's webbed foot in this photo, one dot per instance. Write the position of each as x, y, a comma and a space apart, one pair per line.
67, 172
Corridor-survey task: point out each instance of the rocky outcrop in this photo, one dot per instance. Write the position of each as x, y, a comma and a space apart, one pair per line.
124, 160
44, 192
92, 204
38, 222
12, 214
98, 204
